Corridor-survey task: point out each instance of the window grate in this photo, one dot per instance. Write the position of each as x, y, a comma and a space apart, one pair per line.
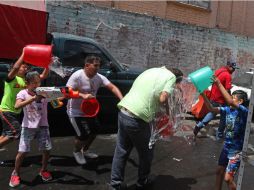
202, 4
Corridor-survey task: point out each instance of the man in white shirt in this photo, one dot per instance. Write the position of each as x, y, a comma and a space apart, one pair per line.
87, 81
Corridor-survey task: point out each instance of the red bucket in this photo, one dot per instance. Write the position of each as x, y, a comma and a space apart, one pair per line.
38, 55
90, 107
167, 131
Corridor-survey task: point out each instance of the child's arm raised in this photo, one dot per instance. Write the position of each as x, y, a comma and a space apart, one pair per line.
44, 74
209, 105
225, 93
14, 70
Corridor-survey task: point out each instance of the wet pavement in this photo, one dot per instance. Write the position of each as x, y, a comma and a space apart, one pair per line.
177, 164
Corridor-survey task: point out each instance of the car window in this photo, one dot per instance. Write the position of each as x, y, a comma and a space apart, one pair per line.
76, 51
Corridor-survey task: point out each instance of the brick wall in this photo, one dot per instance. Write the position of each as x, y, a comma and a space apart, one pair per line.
152, 8
146, 41
229, 16
187, 14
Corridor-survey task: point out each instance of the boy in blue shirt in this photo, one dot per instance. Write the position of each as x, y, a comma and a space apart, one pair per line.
234, 118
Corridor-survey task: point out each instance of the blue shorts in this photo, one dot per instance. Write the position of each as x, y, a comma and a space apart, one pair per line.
229, 161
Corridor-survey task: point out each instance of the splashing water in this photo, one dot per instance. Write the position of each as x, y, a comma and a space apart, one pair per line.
57, 66
165, 125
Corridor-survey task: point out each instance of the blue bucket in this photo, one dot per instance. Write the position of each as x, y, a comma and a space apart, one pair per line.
202, 78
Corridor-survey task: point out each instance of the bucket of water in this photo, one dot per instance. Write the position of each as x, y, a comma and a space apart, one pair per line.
38, 55
202, 78
90, 107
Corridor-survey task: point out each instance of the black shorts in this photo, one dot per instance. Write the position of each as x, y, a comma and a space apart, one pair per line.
11, 125
84, 126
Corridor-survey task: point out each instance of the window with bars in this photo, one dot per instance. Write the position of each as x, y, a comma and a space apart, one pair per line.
201, 4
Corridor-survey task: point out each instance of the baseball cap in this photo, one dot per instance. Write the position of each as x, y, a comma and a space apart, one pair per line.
232, 63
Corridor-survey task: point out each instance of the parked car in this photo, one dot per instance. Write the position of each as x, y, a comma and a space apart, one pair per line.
243, 81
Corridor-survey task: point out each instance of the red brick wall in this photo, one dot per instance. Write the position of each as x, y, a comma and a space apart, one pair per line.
151, 8
230, 16
249, 23
187, 14
147, 41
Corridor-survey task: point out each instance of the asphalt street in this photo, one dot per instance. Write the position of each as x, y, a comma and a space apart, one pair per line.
177, 165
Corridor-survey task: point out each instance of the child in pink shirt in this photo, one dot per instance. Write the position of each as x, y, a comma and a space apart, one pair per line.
34, 124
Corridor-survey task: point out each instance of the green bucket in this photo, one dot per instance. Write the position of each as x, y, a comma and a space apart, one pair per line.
202, 78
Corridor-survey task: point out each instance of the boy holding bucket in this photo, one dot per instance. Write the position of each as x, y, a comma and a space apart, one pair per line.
87, 81
224, 75
8, 113
234, 117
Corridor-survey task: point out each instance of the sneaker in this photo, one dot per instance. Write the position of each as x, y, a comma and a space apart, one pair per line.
14, 181
79, 157
91, 155
196, 130
45, 175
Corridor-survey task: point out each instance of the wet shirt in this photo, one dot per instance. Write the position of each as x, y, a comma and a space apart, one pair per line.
35, 114
79, 81
143, 98
225, 78
11, 89
235, 122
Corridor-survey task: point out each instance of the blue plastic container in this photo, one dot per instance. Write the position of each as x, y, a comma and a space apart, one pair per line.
202, 78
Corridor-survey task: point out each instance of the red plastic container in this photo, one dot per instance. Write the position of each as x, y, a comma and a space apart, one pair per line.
168, 131
90, 107
38, 55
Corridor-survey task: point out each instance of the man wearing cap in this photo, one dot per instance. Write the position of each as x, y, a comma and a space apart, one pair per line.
224, 75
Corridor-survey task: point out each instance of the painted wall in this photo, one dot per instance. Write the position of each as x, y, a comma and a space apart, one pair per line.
146, 41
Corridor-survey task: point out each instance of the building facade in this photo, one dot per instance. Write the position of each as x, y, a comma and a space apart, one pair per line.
230, 16
144, 40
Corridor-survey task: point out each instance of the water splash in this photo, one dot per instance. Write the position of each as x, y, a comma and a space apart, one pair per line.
166, 125
57, 66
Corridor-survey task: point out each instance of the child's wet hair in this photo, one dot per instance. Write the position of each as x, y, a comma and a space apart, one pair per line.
30, 76
240, 94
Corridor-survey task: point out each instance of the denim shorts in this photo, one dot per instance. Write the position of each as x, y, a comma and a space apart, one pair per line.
41, 134
11, 124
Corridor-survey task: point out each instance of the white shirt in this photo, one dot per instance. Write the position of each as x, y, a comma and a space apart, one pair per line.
80, 81
35, 113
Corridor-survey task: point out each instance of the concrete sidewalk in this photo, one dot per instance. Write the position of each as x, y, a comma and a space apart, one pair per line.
177, 164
